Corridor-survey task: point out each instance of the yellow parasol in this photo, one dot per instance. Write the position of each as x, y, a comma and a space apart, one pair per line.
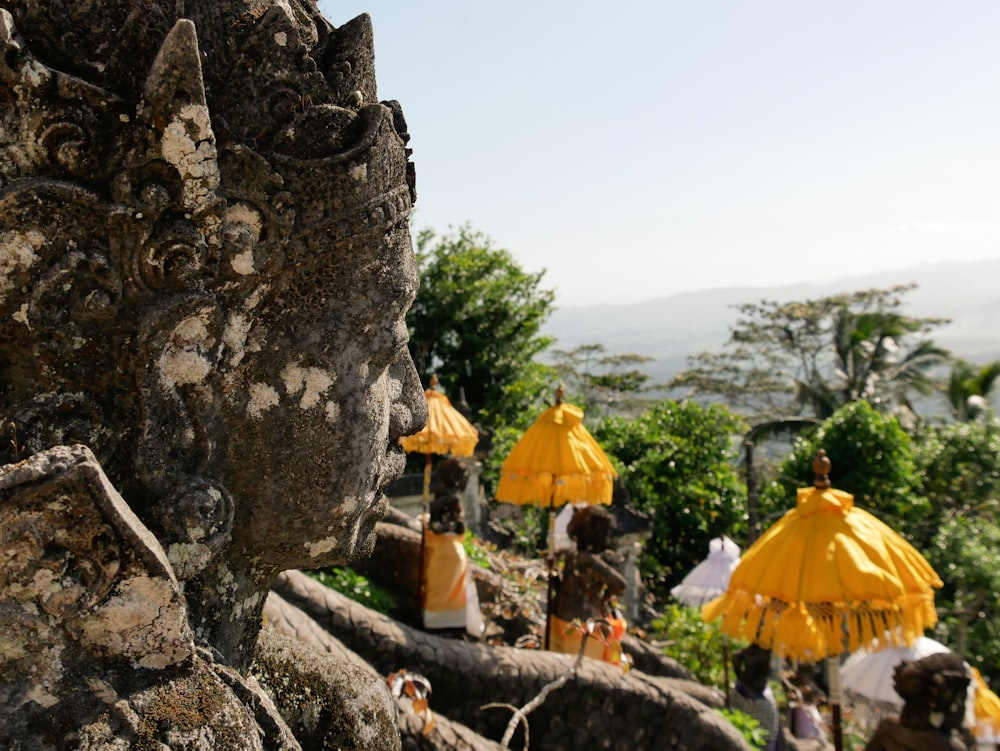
824, 571
556, 461
447, 432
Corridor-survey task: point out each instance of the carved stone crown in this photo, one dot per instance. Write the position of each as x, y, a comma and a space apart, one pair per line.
156, 157
274, 108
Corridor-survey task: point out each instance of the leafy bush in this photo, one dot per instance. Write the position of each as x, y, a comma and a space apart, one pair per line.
677, 461
873, 459
477, 549
748, 726
696, 645
352, 584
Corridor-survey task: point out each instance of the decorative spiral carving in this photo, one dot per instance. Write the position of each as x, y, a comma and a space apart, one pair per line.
59, 419
60, 553
172, 261
197, 521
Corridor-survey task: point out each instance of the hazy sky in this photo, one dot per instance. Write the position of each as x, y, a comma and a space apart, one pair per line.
638, 149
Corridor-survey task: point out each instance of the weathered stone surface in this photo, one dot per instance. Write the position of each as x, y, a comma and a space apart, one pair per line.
329, 703
599, 704
446, 735
95, 646
205, 266
934, 690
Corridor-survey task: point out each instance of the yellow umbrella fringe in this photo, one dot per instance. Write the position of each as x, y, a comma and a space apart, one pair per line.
442, 445
526, 488
447, 430
813, 631
986, 707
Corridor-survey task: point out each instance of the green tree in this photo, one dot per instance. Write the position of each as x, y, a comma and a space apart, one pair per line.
873, 458
970, 387
677, 461
959, 467
815, 356
965, 551
476, 323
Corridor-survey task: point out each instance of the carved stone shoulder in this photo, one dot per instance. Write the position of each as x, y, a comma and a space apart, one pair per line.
95, 646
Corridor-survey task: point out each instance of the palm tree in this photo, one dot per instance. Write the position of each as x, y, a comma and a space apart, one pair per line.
969, 388
870, 364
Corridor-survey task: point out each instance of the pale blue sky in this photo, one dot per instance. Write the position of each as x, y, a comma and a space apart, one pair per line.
639, 149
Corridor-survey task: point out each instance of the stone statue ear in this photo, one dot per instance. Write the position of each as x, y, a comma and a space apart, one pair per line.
175, 108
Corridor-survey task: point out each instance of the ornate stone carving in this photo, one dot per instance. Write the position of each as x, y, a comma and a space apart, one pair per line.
205, 266
95, 645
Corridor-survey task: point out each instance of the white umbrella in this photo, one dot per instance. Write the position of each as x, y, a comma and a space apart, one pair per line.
710, 578
868, 676
868, 679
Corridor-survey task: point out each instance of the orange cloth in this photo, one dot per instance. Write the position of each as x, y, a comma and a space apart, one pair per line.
445, 571
565, 637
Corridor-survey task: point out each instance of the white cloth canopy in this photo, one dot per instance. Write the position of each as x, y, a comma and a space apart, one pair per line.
867, 678
710, 578
869, 675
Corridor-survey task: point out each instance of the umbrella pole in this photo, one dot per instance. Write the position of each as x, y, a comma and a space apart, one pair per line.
833, 680
725, 667
550, 559
424, 520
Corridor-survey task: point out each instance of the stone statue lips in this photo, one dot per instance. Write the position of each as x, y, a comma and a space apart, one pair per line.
391, 470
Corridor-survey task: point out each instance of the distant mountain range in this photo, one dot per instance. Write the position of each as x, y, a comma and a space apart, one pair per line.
671, 328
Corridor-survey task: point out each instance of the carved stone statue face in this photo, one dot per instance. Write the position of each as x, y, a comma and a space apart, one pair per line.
206, 266
313, 434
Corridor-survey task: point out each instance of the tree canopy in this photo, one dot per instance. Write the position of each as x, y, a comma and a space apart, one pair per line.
873, 458
677, 461
969, 388
599, 382
476, 323
815, 356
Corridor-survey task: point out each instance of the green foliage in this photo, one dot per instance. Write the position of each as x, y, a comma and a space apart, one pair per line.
959, 466
695, 644
352, 584
676, 460
529, 533
965, 552
873, 458
966, 382
748, 726
476, 550
476, 323
818, 355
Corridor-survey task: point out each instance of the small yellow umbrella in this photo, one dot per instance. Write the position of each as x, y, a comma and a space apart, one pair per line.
556, 461
447, 432
825, 570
